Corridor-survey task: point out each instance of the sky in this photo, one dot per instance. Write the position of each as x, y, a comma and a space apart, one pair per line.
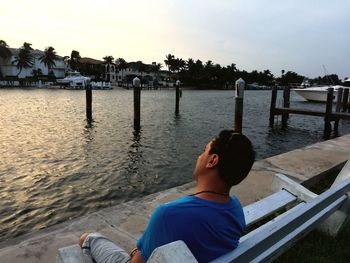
293, 35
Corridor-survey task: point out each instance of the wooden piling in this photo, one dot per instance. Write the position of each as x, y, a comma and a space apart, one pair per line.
177, 97
286, 104
337, 109
88, 90
239, 95
345, 103
327, 119
273, 105
137, 103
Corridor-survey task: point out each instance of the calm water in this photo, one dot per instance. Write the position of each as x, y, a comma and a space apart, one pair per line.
54, 166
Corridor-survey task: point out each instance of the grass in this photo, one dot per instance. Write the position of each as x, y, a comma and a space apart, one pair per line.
317, 247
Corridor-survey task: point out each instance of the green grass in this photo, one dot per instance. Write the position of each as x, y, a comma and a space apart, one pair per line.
316, 247
319, 248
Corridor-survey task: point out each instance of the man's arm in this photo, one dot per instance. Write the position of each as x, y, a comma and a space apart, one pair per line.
155, 235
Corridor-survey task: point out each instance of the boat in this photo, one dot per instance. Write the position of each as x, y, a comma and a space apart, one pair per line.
101, 85
74, 80
318, 94
346, 82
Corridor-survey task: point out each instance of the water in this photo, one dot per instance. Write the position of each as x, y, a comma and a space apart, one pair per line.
54, 166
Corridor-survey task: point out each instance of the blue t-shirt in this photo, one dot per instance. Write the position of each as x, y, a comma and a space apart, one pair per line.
209, 229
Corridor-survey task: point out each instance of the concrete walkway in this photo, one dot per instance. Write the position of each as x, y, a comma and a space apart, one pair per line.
124, 223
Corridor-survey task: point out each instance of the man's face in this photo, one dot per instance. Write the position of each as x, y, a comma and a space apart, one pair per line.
202, 161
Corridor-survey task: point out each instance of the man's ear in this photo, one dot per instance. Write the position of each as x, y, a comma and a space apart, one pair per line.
213, 161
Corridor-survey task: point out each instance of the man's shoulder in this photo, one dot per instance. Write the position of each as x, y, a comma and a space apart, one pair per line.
182, 204
184, 201
191, 201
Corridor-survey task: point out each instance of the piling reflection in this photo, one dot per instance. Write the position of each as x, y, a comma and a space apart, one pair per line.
89, 131
89, 122
177, 119
135, 153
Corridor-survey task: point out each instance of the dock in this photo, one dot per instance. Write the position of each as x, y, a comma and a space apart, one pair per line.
125, 222
342, 110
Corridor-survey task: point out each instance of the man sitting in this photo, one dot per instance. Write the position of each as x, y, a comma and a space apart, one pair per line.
209, 221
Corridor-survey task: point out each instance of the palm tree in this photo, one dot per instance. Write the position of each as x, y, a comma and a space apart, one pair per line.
74, 57
27, 46
209, 64
190, 64
232, 67
169, 61
4, 50
122, 65
108, 59
48, 58
5, 53
180, 64
209, 70
24, 59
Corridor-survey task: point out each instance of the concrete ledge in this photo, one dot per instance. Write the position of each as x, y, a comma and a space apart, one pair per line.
174, 252
71, 254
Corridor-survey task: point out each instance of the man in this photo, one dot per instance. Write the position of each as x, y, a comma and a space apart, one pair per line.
209, 221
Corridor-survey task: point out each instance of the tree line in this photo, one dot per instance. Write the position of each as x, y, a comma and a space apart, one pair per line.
212, 75
191, 72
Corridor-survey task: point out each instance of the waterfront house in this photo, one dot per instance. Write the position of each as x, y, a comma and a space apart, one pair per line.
98, 69
150, 74
9, 69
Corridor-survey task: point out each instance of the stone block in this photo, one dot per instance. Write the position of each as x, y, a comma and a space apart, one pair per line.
174, 252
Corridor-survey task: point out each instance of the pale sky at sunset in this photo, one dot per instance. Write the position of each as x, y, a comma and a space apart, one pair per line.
254, 34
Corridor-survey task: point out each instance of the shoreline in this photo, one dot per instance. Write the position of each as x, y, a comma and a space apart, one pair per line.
116, 86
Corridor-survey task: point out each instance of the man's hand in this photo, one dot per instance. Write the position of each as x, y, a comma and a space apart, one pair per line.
136, 257
82, 239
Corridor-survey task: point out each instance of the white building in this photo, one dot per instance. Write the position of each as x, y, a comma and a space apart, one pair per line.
10, 69
111, 72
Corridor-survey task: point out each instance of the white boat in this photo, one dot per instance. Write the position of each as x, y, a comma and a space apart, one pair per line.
101, 85
318, 94
347, 82
74, 80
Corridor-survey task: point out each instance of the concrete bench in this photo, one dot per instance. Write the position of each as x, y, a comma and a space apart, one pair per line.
328, 211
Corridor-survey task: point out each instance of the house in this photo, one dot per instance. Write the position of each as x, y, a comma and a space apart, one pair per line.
8, 68
149, 73
98, 69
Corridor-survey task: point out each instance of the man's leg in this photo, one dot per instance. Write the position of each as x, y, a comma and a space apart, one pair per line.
102, 250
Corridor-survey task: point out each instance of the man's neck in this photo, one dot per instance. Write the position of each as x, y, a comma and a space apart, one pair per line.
211, 193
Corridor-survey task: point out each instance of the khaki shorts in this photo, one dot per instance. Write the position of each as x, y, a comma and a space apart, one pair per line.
97, 248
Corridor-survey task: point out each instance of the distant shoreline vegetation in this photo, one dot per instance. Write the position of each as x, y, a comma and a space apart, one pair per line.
209, 75
191, 72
